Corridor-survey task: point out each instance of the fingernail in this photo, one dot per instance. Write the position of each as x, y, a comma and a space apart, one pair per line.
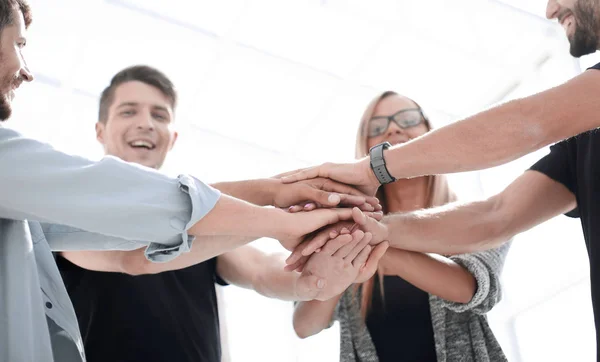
334, 198
320, 284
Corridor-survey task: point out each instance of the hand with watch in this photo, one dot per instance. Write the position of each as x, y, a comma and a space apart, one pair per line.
366, 174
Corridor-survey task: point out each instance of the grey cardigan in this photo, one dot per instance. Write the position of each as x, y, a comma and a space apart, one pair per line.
461, 331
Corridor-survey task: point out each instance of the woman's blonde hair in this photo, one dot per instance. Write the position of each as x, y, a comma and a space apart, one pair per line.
439, 192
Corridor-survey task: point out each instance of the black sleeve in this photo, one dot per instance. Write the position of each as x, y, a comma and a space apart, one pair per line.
597, 67
217, 277
558, 166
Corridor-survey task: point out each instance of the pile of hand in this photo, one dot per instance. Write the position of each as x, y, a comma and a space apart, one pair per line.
335, 256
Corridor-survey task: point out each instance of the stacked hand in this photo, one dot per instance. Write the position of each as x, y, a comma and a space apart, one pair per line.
345, 259
337, 251
357, 174
369, 223
307, 195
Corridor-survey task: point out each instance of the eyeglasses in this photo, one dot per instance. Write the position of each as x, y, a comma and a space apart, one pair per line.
405, 118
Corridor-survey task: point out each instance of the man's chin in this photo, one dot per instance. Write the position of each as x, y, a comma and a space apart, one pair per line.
5, 108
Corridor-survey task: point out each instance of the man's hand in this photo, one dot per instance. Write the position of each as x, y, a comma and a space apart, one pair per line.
319, 192
358, 174
372, 225
294, 228
370, 267
368, 223
335, 267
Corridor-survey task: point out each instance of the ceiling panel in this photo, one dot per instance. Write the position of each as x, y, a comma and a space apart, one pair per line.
215, 17
439, 75
328, 40
134, 38
259, 99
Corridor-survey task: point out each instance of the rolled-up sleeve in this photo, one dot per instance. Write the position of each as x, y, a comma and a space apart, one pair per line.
486, 268
109, 197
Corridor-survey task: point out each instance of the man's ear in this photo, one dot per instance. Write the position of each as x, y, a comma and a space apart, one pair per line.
100, 132
175, 134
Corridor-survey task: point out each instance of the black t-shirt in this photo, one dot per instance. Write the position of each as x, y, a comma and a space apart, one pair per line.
575, 163
166, 317
400, 322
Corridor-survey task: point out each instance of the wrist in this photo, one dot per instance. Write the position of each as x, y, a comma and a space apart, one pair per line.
298, 296
269, 188
385, 228
278, 221
367, 171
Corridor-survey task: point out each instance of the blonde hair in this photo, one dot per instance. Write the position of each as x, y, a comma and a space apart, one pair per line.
439, 192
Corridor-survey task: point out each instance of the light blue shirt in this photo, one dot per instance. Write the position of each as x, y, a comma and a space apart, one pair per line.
53, 201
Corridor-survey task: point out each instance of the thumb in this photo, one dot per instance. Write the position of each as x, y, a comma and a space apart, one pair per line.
323, 197
358, 216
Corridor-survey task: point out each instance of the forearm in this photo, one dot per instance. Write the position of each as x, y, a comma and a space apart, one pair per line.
313, 316
257, 192
433, 274
250, 268
135, 262
273, 282
502, 133
234, 217
490, 138
448, 230
204, 248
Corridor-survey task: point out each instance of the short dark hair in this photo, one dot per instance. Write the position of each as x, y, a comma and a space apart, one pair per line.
6, 12
141, 73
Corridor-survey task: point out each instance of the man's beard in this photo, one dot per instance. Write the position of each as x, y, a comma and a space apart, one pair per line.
585, 37
5, 107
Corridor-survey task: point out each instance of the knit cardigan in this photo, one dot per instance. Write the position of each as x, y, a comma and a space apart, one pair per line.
461, 331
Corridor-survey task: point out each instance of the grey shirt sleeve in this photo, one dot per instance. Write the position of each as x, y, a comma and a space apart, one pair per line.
109, 197
486, 267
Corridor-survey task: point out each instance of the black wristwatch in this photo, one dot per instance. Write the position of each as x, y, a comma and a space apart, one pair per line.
378, 163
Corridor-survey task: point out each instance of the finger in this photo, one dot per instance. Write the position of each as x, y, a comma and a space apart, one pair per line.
352, 200
343, 251
341, 188
363, 207
364, 241
305, 174
361, 258
344, 231
358, 216
332, 216
375, 215
295, 208
327, 199
378, 207
310, 206
336, 244
376, 256
299, 263
373, 201
309, 247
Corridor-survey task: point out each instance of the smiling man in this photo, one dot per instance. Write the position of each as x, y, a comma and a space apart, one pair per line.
110, 289
51, 200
